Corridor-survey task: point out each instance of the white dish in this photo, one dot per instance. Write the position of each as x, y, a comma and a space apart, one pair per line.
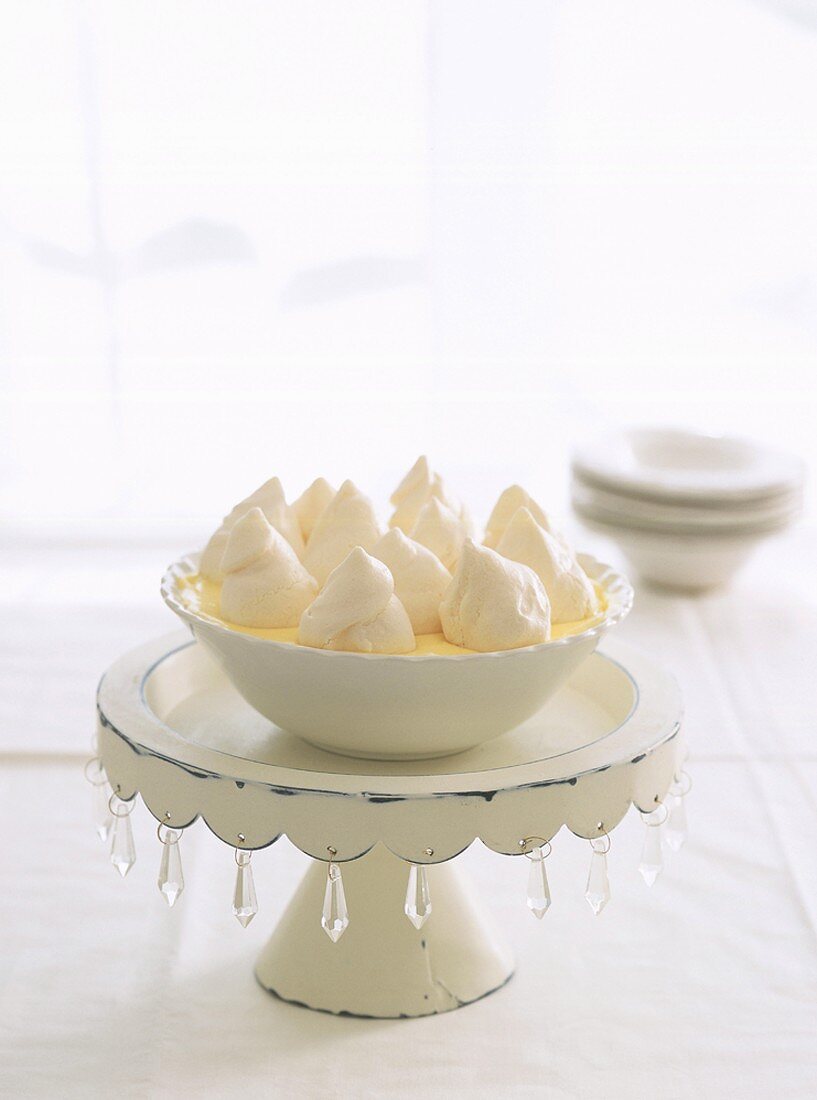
727, 526
676, 464
686, 562
607, 505
398, 707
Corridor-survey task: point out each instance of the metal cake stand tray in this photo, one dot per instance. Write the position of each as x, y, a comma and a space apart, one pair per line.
172, 729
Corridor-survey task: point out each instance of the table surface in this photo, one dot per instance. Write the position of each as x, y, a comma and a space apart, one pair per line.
705, 985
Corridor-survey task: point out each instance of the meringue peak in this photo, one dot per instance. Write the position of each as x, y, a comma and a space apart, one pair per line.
270, 498
420, 485
441, 530
357, 610
250, 537
420, 578
510, 501
265, 584
494, 604
419, 474
348, 521
355, 591
270, 495
570, 590
311, 504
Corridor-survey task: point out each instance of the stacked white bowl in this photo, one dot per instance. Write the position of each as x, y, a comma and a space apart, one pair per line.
686, 509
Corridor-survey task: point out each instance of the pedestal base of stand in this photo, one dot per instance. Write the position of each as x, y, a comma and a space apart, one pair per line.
382, 966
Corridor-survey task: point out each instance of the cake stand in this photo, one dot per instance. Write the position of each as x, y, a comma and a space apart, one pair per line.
173, 729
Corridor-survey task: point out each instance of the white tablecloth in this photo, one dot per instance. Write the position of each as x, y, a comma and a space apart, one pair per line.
704, 986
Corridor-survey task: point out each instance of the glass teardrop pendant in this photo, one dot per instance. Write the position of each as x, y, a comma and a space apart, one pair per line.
418, 900
676, 828
335, 917
538, 886
123, 850
598, 884
245, 902
171, 876
103, 818
652, 859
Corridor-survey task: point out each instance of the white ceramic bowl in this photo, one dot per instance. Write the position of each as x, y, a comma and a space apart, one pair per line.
396, 707
683, 562
608, 506
672, 464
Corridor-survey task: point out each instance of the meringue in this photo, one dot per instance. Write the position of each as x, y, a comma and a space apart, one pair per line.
272, 502
347, 522
494, 603
419, 486
570, 591
265, 584
419, 474
357, 610
420, 578
513, 498
210, 563
311, 504
440, 530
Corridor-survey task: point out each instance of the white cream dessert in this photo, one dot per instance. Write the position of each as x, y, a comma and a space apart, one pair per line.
348, 521
420, 578
395, 592
357, 610
570, 590
494, 603
510, 501
272, 502
264, 584
311, 505
442, 531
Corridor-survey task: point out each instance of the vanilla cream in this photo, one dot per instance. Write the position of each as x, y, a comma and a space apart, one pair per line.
203, 597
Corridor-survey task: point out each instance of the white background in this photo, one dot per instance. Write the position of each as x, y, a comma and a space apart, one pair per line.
240, 239
256, 238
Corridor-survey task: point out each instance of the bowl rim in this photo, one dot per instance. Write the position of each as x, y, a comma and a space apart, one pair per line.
611, 530
775, 471
617, 589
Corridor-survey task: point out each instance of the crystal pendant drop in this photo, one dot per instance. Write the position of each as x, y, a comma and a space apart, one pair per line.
103, 818
171, 876
123, 852
598, 884
418, 900
676, 828
652, 859
538, 887
245, 902
335, 918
